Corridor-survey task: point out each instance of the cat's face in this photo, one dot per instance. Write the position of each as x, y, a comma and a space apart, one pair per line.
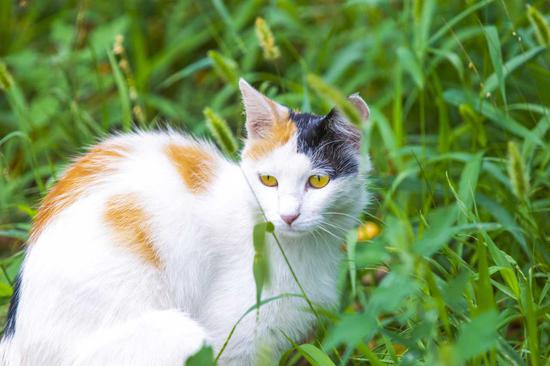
305, 169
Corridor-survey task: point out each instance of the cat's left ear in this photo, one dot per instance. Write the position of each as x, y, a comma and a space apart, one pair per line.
361, 106
358, 103
261, 112
341, 127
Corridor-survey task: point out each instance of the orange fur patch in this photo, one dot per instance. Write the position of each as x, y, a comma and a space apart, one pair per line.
281, 132
83, 173
195, 166
131, 226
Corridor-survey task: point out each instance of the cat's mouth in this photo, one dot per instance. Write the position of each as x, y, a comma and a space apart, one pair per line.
293, 230
299, 228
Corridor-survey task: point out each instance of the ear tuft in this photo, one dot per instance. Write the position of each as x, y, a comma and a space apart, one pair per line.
361, 106
261, 112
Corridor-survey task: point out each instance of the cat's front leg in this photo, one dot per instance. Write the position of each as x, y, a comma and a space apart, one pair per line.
163, 338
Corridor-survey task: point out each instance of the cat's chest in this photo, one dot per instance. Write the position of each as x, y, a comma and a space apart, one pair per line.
283, 305
214, 283
314, 280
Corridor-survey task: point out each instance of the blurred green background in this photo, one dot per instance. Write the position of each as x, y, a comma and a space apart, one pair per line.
451, 266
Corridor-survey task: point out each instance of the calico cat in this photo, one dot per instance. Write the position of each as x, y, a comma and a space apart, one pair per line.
142, 252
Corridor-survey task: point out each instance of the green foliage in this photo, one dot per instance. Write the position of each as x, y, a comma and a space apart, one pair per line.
221, 132
314, 355
458, 137
225, 67
204, 357
517, 173
540, 25
333, 95
478, 336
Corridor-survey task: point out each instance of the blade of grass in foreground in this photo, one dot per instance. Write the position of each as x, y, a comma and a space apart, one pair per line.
312, 354
204, 357
251, 309
261, 263
351, 241
478, 336
529, 311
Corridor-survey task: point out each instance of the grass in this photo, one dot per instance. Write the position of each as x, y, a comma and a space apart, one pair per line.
459, 95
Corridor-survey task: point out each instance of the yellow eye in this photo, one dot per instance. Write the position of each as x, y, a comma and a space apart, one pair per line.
269, 180
318, 181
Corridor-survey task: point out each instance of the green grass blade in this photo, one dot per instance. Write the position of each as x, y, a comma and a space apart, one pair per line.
510, 66
314, 355
497, 116
351, 242
411, 66
457, 19
493, 43
124, 95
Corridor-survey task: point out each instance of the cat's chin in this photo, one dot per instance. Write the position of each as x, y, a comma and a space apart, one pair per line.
291, 232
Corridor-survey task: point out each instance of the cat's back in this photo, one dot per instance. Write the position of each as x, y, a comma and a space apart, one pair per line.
106, 232
120, 200
126, 174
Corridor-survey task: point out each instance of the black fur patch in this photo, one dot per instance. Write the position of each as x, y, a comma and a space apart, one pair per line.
12, 310
331, 142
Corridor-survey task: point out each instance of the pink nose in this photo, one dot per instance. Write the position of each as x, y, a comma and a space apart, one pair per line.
289, 219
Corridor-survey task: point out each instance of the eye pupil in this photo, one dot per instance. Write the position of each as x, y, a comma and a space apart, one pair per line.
268, 180
318, 181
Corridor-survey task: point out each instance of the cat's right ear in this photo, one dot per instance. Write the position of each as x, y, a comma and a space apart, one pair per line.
261, 112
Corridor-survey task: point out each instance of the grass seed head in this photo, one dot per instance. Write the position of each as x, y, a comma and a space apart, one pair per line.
266, 40
6, 81
220, 130
225, 67
518, 174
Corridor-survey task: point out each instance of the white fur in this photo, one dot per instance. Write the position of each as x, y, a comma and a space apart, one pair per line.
86, 300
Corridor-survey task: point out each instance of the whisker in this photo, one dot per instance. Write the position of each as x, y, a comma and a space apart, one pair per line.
336, 227
343, 214
329, 232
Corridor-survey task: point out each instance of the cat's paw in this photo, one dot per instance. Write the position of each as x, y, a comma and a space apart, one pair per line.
164, 337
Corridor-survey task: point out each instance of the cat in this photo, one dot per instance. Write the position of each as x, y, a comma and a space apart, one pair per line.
142, 252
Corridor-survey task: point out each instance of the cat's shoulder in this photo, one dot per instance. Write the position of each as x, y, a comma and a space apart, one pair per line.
138, 160
196, 161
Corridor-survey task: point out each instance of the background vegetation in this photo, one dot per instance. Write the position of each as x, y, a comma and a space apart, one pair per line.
459, 93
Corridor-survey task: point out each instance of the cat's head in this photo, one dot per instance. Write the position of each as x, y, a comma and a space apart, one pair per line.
305, 170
